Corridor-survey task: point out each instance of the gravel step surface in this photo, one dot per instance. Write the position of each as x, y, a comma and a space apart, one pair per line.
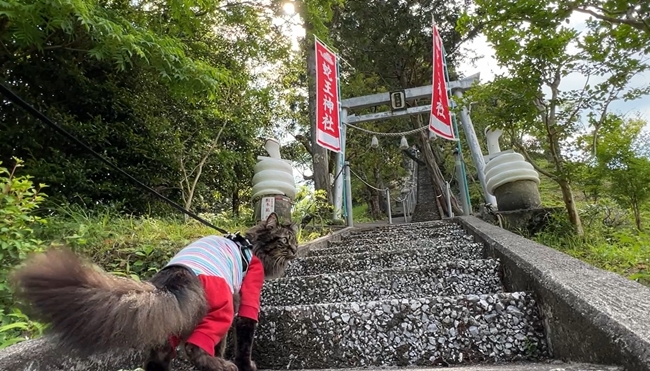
416, 254
513, 366
407, 226
435, 230
406, 332
462, 277
427, 233
381, 244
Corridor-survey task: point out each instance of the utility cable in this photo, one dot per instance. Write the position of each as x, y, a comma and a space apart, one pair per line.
11, 96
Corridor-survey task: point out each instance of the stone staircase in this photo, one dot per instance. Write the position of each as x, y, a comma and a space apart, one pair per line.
425, 209
419, 295
409, 296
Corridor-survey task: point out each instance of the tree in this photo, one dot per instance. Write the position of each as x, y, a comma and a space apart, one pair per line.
147, 84
375, 168
626, 170
634, 14
622, 20
538, 54
630, 185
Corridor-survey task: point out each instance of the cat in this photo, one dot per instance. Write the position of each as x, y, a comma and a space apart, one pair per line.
193, 299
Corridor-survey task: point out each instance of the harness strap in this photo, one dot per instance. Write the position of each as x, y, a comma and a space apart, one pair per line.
244, 245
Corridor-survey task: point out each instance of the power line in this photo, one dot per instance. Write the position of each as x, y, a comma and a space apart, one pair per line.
11, 96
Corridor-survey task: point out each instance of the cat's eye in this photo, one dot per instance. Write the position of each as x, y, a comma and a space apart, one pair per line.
283, 240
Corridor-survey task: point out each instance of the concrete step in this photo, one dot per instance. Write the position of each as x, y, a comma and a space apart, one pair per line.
387, 244
415, 253
388, 227
436, 229
513, 366
407, 332
461, 277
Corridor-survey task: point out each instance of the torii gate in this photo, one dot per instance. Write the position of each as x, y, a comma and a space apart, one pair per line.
397, 100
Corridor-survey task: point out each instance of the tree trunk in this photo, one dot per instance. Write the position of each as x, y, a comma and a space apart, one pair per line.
319, 154
236, 202
637, 216
572, 210
373, 203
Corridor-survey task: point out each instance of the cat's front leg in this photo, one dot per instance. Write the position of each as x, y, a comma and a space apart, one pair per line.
205, 362
244, 336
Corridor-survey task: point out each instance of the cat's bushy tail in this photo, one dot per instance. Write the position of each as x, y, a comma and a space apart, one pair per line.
93, 311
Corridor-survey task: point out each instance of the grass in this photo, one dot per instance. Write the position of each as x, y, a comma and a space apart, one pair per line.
613, 243
361, 214
611, 240
134, 246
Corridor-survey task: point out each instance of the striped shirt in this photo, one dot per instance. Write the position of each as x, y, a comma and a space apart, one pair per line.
214, 256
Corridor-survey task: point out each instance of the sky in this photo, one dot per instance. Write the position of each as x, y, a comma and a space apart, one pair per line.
487, 66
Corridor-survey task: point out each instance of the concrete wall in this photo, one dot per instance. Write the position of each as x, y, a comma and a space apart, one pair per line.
591, 315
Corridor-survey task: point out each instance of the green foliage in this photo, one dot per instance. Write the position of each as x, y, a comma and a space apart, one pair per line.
16, 327
150, 86
106, 32
312, 205
539, 52
19, 199
317, 14
620, 163
610, 241
362, 214
622, 20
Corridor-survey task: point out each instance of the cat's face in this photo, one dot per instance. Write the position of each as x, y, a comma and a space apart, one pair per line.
274, 243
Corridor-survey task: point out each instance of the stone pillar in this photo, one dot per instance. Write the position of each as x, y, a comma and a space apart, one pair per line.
520, 194
279, 204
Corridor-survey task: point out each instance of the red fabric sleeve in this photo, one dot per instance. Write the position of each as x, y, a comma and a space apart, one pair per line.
214, 326
251, 288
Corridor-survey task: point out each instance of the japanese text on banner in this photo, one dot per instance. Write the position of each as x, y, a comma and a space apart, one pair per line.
328, 134
440, 122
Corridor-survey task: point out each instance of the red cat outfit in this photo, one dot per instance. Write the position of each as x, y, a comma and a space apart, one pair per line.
220, 265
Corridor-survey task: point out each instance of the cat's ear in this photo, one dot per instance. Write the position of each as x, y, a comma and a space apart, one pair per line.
294, 227
272, 221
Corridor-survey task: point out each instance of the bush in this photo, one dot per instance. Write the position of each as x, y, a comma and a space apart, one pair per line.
18, 201
312, 207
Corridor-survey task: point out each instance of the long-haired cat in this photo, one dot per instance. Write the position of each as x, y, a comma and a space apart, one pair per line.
190, 300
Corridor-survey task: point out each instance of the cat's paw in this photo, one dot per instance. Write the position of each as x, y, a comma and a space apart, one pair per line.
219, 364
205, 362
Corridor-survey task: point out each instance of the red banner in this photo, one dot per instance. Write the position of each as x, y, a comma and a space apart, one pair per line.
328, 133
440, 123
